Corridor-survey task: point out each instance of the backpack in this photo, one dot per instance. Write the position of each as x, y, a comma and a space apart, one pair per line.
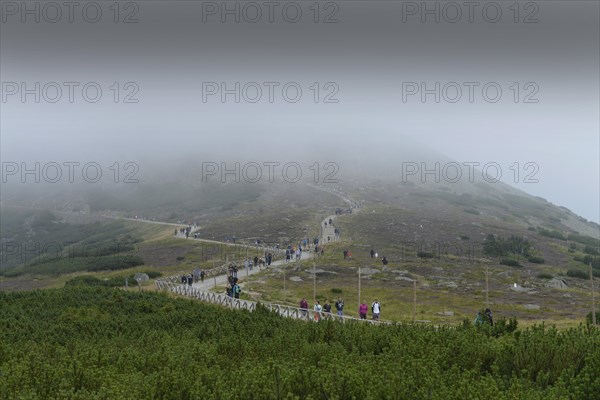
237, 289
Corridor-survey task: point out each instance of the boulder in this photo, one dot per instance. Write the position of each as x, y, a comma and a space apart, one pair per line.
557, 283
368, 271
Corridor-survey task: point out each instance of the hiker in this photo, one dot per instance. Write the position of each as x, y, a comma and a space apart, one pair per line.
376, 309
330, 221
184, 279
304, 307
362, 310
287, 256
255, 260
478, 319
269, 258
384, 261
345, 254
349, 253
202, 275
236, 291
318, 308
487, 316
327, 307
190, 279
372, 253
339, 306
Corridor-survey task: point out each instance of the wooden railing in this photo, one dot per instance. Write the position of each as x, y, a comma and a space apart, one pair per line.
225, 300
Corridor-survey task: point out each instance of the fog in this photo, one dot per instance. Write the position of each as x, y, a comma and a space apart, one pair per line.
354, 83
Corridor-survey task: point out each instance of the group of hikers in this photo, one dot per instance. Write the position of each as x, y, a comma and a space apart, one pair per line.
324, 311
185, 231
195, 276
293, 251
336, 231
233, 289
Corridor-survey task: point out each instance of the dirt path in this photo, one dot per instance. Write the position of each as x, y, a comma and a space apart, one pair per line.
327, 236
209, 283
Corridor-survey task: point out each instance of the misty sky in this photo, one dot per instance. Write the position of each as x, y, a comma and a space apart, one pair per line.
371, 61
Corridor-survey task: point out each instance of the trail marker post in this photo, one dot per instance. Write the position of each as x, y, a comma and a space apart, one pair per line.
593, 300
414, 300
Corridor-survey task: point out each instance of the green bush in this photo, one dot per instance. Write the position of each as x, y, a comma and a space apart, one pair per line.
544, 276
92, 342
515, 245
511, 263
424, 254
583, 239
89, 280
536, 260
552, 233
576, 273
591, 250
588, 259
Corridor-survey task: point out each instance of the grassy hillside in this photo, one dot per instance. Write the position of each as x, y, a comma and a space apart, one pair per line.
434, 233
83, 343
42, 243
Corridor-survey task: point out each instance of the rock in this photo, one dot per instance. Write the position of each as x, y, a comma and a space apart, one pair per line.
557, 283
438, 268
449, 284
532, 306
321, 271
399, 271
403, 278
446, 313
368, 271
295, 279
518, 288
